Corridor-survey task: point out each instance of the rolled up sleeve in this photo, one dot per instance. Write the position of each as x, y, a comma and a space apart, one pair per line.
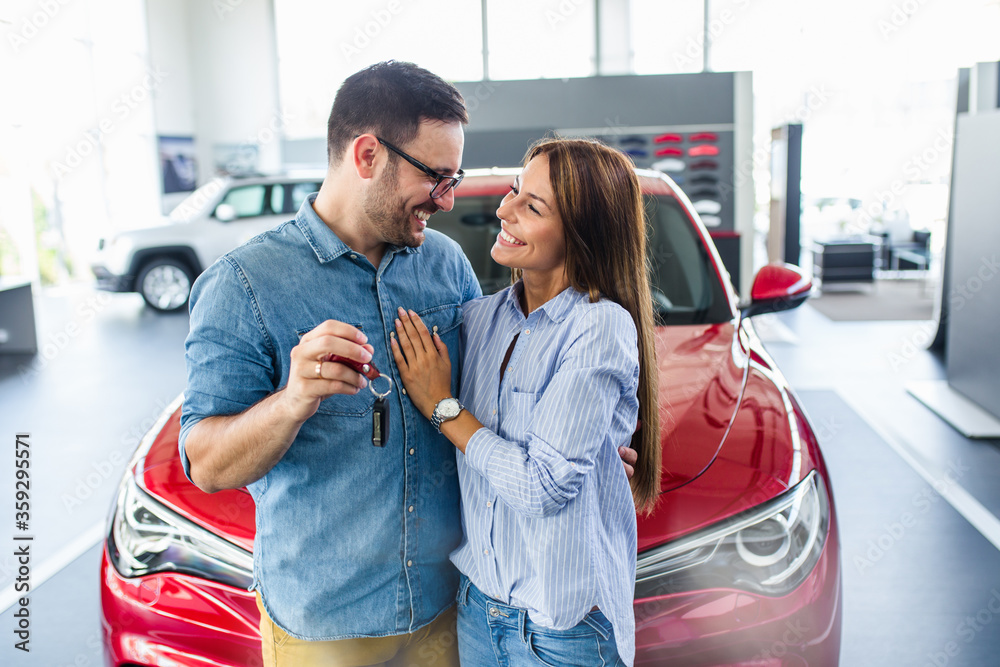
229, 357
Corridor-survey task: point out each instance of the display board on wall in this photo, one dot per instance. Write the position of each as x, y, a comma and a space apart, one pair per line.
178, 164
698, 158
236, 159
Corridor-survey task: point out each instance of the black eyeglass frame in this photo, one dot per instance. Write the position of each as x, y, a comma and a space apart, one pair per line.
439, 178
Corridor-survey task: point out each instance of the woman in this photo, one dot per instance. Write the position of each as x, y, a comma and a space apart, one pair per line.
558, 369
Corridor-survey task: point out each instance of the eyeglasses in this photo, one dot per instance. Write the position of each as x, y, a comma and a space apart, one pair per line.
441, 183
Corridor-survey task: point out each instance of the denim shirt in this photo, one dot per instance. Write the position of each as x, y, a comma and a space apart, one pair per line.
547, 510
352, 540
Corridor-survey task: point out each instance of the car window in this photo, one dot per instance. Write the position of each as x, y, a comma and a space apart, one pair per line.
248, 200
299, 193
198, 203
277, 198
685, 284
474, 225
686, 287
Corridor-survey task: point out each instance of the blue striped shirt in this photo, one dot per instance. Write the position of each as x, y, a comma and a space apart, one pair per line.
547, 512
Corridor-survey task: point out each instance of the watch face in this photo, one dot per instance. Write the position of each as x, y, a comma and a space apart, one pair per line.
449, 408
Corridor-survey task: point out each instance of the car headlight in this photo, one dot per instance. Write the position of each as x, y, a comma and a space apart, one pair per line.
115, 253
769, 549
146, 537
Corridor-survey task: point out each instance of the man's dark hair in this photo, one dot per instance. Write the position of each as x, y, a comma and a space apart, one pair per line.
390, 99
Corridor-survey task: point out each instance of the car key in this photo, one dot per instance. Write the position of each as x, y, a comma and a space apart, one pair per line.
380, 412
368, 370
380, 422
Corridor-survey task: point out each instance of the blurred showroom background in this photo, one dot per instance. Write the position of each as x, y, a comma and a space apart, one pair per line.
840, 157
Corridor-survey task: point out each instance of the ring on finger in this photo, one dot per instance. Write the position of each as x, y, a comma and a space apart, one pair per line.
319, 369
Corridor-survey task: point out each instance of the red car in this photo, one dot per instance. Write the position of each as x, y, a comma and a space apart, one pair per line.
738, 565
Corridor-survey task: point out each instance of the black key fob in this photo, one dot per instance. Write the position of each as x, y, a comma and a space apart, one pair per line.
380, 422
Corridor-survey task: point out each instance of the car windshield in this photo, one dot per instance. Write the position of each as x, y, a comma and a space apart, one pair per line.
199, 203
685, 284
686, 287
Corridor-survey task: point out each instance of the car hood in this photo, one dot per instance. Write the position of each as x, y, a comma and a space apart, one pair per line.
701, 368
701, 374
227, 513
768, 448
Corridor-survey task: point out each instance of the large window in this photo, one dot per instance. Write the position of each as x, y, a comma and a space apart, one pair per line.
667, 37
76, 132
321, 43
534, 40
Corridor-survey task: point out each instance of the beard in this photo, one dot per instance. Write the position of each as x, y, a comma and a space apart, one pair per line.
387, 213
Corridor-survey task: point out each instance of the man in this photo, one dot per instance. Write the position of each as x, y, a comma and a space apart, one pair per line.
351, 553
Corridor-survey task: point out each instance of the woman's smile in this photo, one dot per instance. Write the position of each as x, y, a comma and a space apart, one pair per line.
506, 238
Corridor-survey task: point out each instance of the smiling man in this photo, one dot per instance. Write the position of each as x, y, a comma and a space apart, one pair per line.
354, 520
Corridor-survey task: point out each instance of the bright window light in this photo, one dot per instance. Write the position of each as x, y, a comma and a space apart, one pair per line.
321, 43
534, 40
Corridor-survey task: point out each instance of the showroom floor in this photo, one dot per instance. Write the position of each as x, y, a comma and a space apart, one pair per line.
921, 566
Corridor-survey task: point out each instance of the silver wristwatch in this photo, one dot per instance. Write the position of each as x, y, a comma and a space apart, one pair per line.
446, 410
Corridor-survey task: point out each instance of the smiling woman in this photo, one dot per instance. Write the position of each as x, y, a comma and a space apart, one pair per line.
539, 454
532, 236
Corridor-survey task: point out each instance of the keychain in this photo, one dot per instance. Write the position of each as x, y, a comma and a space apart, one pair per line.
380, 413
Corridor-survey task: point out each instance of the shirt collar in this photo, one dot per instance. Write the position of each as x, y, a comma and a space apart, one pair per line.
556, 309
324, 242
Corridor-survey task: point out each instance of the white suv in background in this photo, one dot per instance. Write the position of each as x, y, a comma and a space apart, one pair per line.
161, 262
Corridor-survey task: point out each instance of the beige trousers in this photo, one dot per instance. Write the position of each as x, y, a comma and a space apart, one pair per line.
434, 645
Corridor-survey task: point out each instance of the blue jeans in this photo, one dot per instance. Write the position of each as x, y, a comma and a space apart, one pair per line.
492, 634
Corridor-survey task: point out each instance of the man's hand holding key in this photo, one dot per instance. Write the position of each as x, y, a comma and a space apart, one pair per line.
313, 378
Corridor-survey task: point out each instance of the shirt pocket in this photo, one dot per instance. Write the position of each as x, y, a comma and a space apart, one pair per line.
443, 320
516, 409
343, 405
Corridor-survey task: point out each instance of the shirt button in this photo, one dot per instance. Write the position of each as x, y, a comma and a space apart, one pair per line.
409, 563
404, 392
354, 256
435, 329
489, 503
412, 450
527, 331
494, 411
411, 508
486, 551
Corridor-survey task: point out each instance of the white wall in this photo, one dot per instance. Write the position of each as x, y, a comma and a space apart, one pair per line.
170, 50
222, 86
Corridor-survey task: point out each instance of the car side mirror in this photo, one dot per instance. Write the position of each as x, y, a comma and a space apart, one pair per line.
777, 287
225, 213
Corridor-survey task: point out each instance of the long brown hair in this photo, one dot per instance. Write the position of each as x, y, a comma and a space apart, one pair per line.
600, 202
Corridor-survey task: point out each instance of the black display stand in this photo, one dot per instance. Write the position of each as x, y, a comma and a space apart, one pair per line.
844, 261
17, 317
